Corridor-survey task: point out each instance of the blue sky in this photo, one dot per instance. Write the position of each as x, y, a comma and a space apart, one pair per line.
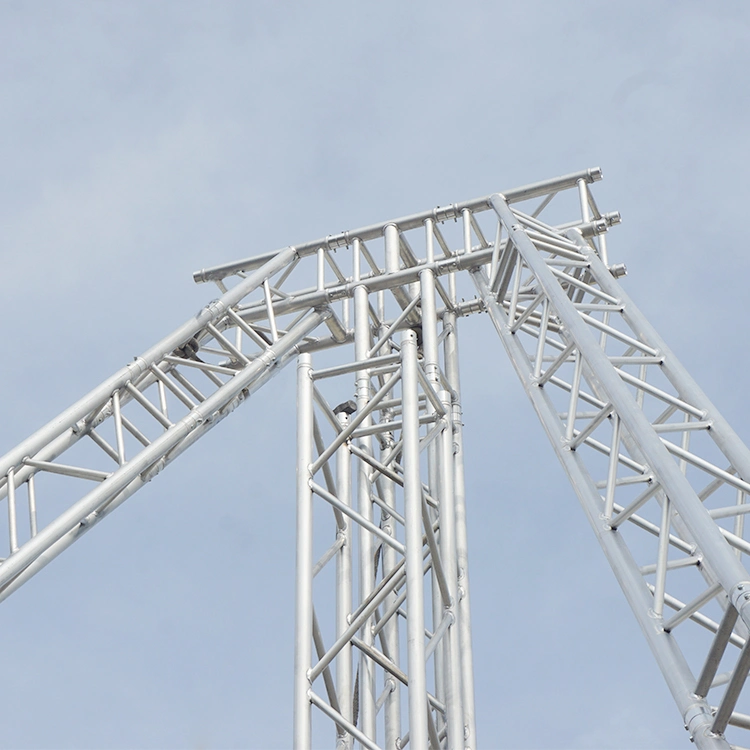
141, 141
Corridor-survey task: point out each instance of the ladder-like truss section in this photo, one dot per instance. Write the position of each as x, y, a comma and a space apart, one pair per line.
383, 655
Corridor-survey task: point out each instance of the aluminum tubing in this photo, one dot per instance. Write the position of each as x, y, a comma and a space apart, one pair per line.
304, 578
729, 569
721, 432
49, 554
373, 231
344, 586
696, 712
367, 696
314, 298
95, 398
415, 623
156, 452
451, 644
463, 605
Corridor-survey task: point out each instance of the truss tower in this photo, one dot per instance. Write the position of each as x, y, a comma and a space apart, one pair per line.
383, 652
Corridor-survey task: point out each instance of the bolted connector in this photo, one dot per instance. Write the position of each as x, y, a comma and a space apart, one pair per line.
612, 218
592, 228
618, 270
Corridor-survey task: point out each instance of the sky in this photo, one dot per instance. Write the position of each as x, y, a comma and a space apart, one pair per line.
141, 141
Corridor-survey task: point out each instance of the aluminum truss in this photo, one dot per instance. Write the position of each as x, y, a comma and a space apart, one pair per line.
383, 638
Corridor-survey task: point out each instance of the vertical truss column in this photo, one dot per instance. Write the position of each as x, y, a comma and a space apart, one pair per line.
415, 625
304, 610
397, 527
463, 602
344, 538
365, 695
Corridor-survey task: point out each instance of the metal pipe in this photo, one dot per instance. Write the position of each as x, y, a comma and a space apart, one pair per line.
307, 298
413, 517
30, 486
362, 343
339, 719
12, 528
373, 231
118, 427
451, 646
716, 652
463, 604
661, 556
344, 586
732, 693
358, 518
692, 606
389, 635
304, 577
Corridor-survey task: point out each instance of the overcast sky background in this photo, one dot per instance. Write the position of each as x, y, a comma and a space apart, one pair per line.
140, 141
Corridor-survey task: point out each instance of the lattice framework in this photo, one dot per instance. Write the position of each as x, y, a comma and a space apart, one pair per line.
383, 645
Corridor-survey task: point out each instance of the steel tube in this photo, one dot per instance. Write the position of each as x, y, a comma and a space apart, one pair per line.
373, 231
716, 652
732, 693
362, 344
386, 486
463, 605
413, 516
661, 556
304, 577
344, 586
451, 646
30, 486
361, 521
12, 528
118, 427
692, 607
339, 719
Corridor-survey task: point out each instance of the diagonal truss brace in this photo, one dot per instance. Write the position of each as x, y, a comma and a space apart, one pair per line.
616, 403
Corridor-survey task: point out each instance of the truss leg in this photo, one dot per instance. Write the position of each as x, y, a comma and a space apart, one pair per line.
463, 604
365, 697
344, 685
414, 574
304, 607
